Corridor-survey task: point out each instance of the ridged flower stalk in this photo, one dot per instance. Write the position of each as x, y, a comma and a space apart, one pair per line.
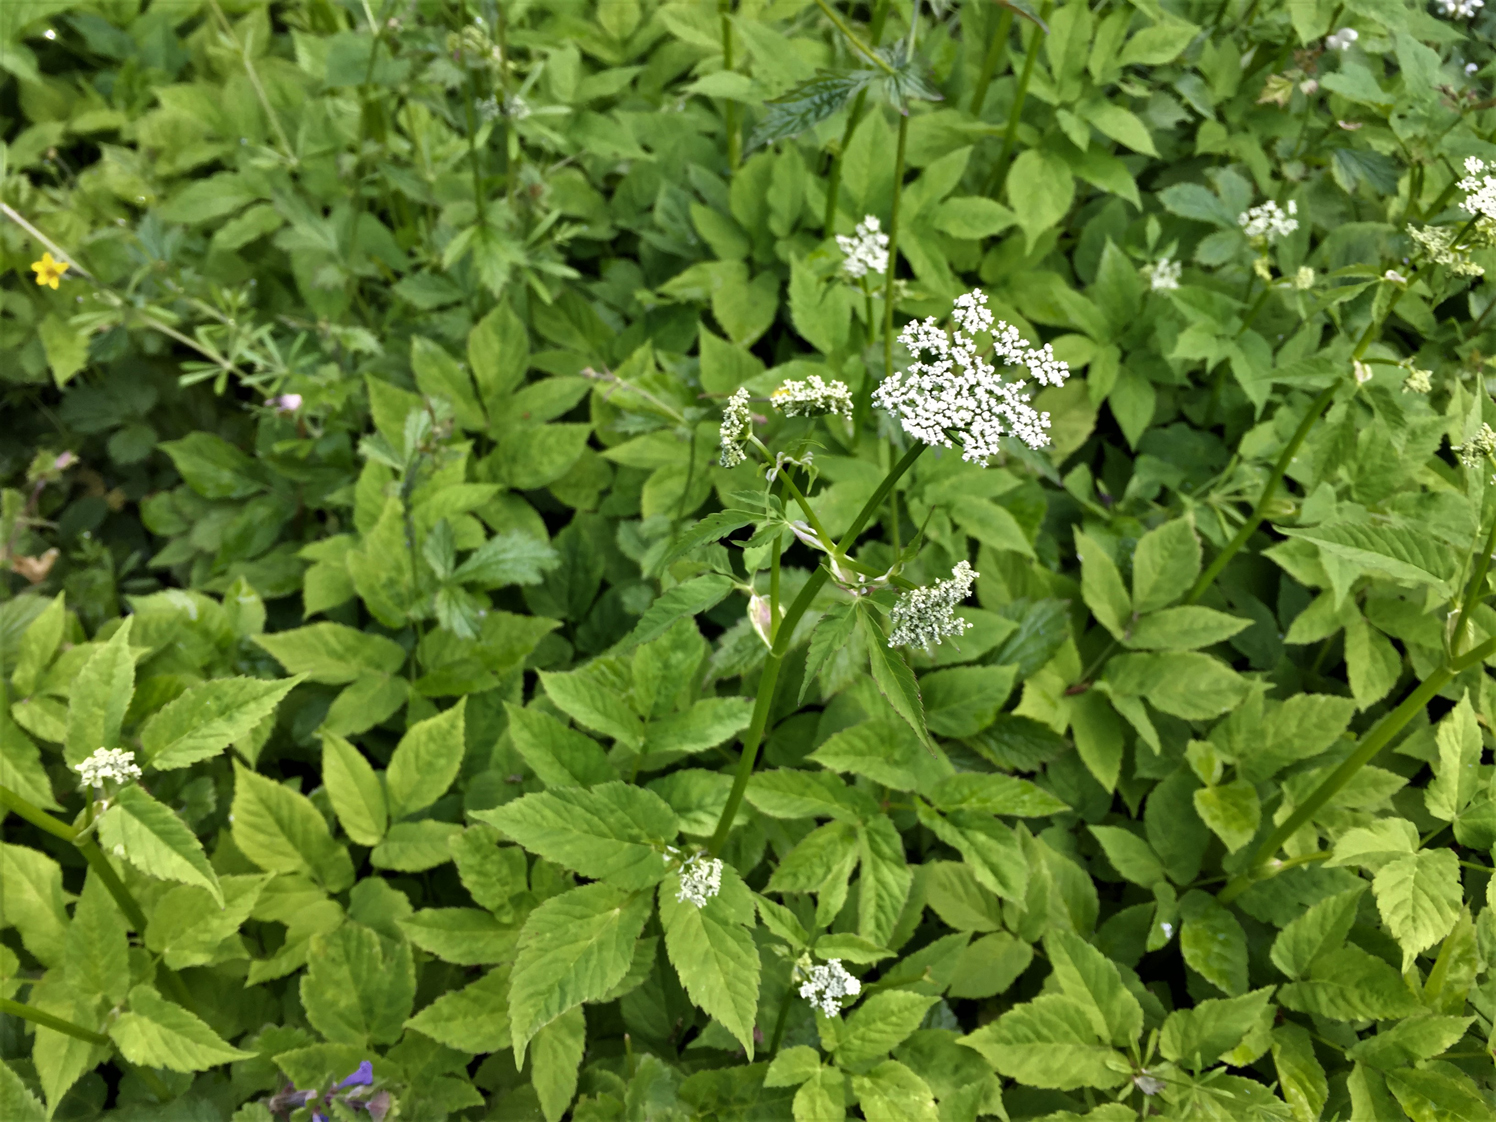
995, 51
1020, 95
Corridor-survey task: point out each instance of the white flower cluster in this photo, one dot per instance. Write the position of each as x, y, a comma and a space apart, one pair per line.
956, 390
1269, 221
924, 616
107, 763
812, 397
1303, 280
1479, 188
737, 426
828, 985
1461, 9
1438, 243
867, 252
1418, 381
1361, 370
1163, 274
1475, 450
700, 877
1342, 39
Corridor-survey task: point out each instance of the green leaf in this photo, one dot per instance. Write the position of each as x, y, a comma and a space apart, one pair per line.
438, 374
1040, 191
560, 756
17, 1103
1419, 896
1121, 125
1409, 1041
213, 467
689, 598
21, 767
1161, 43
991, 850
354, 788
1232, 811
1049, 1042
894, 678
590, 699
713, 951
1186, 684
414, 847
281, 831
1199, 1036
426, 761
886, 877
708, 723
964, 700
808, 104
32, 902
498, 350
891, 1092
513, 557
96, 954
1088, 977
994, 794
1321, 929
1300, 1074
383, 570
880, 1024
1400, 552
332, 653
208, 718
714, 527
1213, 943
990, 965
955, 895
464, 936
1130, 855
62, 1060
100, 696
613, 831
1350, 984
1372, 663
154, 1032
574, 948
1438, 1096
1457, 770
1098, 736
473, 1019
38, 644
1165, 565
491, 873
555, 1057
151, 837
885, 750
1101, 586
832, 633
1184, 629
359, 987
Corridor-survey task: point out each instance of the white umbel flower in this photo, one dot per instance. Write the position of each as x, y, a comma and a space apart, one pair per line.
950, 388
737, 425
923, 617
1479, 187
107, 763
1303, 280
1473, 452
867, 252
827, 985
1438, 243
700, 878
1342, 39
1361, 370
1461, 9
1418, 381
812, 397
1269, 222
1163, 274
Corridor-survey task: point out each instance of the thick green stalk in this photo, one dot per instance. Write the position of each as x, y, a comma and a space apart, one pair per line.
995, 51
893, 243
730, 111
833, 180
1374, 741
858, 45
1010, 139
1259, 512
56, 1024
1473, 593
768, 683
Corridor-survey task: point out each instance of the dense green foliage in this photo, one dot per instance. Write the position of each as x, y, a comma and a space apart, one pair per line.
362, 481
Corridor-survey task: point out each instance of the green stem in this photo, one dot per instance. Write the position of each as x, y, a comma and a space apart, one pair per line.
1474, 592
56, 1024
893, 244
995, 51
1015, 114
1388, 727
730, 112
833, 181
768, 684
857, 44
1259, 512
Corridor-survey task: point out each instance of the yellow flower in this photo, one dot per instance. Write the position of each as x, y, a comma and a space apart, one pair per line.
48, 271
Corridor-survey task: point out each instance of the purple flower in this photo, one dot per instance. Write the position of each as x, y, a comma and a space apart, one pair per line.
362, 1076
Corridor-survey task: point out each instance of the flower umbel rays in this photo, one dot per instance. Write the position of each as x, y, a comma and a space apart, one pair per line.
1269, 222
924, 616
1438, 243
49, 271
867, 252
950, 388
700, 876
827, 985
107, 763
812, 397
1163, 274
737, 426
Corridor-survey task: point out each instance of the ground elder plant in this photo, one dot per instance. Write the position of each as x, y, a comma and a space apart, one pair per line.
720, 559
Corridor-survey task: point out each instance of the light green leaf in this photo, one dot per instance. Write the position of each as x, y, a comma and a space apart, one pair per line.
994, 794
1040, 191
1201, 1035
1430, 1095
208, 718
151, 837
1130, 855
37, 646
354, 788
880, 1024
464, 936
560, 756
1232, 811
1301, 1077
894, 678
1089, 978
585, 697
282, 832
426, 761
157, 1033
32, 901
414, 847
1350, 984
1214, 944
555, 1056
1186, 684
1101, 586
574, 948
1184, 629
708, 723
713, 951
891, 1092
359, 987
688, 598
1165, 565
1049, 1042
1419, 896
17, 1103
96, 953
1457, 771
1322, 928
472, 1019
1400, 552
100, 696
332, 653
